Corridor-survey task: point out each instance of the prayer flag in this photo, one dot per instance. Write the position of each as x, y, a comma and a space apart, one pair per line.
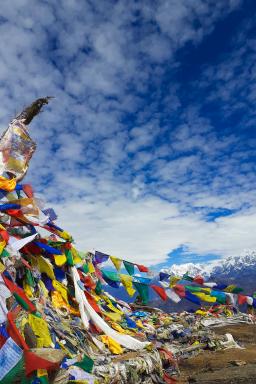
142, 268
199, 280
100, 257
126, 280
86, 364
143, 291
163, 276
129, 267
117, 262
160, 291
173, 295
189, 296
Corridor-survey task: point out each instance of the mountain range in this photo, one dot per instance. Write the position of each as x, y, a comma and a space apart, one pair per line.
239, 270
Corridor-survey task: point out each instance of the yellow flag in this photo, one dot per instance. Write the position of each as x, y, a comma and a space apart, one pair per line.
200, 312
95, 296
126, 280
27, 289
76, 257
204, 297
2, 267
210, 299
65, 235
117, 262
112, 345
42, 372
208, 290
119, 329
2, 246
91, 267
139, 324
230, 288
61, 289
7, 184
113, 316
173, 280
60, 260
114, 309
45, 266
40, 329
44, 290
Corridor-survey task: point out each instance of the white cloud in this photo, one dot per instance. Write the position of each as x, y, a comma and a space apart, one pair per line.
146, 230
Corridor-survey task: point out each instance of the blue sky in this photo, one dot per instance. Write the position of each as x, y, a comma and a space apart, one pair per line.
148, 150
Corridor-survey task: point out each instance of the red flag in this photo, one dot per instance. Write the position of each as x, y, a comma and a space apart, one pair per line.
87, 280
4, 235
14, 212
160, 291
67, 245
142, 268
92, 302
242, 299
32, 248
180, 290
199, 280
34, 362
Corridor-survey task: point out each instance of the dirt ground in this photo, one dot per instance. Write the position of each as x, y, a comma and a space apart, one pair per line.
232, 366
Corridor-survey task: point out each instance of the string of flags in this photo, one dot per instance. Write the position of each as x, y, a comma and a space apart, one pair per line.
100, 257
173, 287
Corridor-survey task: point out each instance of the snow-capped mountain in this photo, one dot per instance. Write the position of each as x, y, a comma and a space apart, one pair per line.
235, 264
240, 270
189, 268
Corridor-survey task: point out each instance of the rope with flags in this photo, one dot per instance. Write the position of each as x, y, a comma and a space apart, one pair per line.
166, 286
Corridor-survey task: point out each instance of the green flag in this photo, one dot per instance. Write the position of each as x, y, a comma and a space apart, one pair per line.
111, 275
129, 267
85, 268
29, 278
86, 364
5, 253
143, 291
21, 301
193, 288
237, 290
69, 257
187, 277
98, 287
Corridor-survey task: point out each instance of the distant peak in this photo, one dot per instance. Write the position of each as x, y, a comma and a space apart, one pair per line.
227, 265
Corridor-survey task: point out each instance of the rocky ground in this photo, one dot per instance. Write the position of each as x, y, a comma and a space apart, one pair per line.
231, 366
